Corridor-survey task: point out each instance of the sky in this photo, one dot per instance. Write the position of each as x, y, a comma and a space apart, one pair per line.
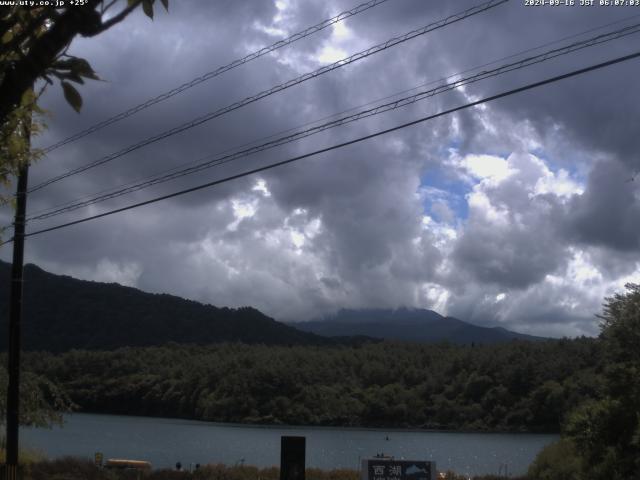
523, 212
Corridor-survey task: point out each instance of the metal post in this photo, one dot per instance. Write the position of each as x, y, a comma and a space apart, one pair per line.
15, 317
292, 458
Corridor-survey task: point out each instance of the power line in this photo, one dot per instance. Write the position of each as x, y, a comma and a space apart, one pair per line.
218, 71
344, 144
278, 88
402, 102
334, 115
340, 63
177, 172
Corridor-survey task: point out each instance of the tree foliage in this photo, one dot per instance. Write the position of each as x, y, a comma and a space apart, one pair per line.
519, 386
558, 461
34, 41
42, 402
607, 429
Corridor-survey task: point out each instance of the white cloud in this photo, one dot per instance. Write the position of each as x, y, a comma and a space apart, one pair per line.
242, 208
331, 54
105, 270
560, 184
261, 186
436, 296
353, 228
487, 167
341, 43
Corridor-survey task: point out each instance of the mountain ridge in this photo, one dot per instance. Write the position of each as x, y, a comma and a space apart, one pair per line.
409, 325
62, 313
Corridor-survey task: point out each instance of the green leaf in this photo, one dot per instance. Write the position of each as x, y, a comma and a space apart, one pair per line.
83, 68
63, 64
165, 4
147, 8
8, 36
75, 67
28, 97
74, 77
72, 96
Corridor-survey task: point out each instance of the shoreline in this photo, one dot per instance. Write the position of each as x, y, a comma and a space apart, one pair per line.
164, 441
318, 427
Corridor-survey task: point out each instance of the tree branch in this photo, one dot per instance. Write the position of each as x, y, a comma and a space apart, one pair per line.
44, 50
25, 71
35, 23
117, 19
105, 8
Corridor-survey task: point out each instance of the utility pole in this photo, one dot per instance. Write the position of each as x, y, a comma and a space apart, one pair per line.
15, 317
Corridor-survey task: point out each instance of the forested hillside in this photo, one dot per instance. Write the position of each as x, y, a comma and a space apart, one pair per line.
61, 313
521, 386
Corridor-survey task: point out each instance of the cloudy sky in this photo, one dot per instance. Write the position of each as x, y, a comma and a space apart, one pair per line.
523, 212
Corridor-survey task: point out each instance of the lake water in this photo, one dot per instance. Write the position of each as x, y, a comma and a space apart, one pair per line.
163, 442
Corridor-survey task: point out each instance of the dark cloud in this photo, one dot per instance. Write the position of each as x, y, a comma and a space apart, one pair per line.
608, 213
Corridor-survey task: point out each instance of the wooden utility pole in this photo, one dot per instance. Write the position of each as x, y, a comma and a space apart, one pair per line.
15, 317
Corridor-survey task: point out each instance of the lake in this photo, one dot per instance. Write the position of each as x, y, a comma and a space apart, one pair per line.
164, 441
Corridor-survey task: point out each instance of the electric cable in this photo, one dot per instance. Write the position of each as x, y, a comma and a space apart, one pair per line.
402, 102
218, 71
337, 114
507, 93
278, 88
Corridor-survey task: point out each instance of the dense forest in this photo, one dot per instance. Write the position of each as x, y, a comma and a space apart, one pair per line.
61, 313
521, 386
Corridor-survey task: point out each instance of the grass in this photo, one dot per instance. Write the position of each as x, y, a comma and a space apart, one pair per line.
27, 456
71, 468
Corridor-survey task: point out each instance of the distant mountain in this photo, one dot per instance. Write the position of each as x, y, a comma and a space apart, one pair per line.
411, 325
61, 313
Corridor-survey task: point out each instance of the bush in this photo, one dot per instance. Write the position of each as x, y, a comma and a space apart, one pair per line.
558, 461
26, 456
66, 468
